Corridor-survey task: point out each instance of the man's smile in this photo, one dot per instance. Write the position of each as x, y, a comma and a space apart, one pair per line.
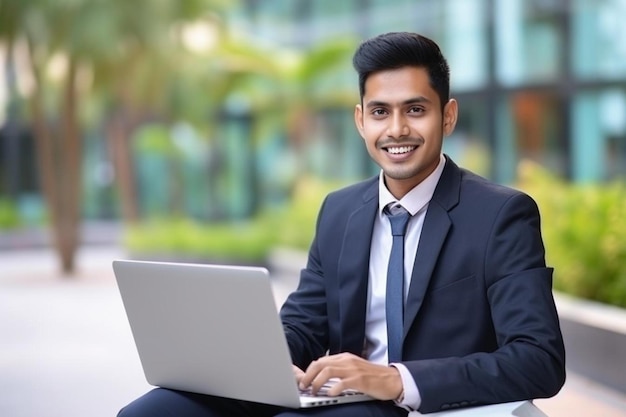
397, 150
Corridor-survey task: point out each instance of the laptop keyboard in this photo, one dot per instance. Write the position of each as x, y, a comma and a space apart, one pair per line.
324, 390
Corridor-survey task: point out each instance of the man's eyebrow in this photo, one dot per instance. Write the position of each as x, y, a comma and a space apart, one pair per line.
412, 100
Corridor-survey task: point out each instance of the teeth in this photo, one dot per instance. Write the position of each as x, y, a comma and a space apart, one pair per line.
400, 149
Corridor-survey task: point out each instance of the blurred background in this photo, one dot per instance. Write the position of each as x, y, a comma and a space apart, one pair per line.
210, 130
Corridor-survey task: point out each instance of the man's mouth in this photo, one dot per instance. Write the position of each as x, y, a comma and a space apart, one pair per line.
398, 150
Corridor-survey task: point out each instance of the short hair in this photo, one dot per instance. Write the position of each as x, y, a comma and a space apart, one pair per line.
401, 49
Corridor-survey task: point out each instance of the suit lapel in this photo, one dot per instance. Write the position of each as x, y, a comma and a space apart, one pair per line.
434, 232
353, 272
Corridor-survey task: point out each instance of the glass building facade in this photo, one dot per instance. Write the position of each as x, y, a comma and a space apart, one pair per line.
543, 80
535, 79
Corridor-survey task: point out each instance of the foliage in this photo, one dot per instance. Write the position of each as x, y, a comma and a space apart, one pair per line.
290, 226
295, 223
85, 55
583, 228
9, 215
185, 238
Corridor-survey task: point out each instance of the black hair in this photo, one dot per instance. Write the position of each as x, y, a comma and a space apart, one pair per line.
401, 49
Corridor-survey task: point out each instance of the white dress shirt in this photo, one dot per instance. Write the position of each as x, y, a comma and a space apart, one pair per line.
416, 203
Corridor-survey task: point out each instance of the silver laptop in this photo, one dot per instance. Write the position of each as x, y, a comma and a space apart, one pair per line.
212, 329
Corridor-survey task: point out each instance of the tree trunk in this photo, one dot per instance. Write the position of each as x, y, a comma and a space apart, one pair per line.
70, 173
59, 155
118, 132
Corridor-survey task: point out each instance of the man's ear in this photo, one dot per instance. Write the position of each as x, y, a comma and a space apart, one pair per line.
358, 118
450, 116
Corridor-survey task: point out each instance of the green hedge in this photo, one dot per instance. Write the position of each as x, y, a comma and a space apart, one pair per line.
584, 229
9, 215
187, 239
291, 225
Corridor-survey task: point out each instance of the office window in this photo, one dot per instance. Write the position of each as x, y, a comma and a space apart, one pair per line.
332, 18
528, 41
423, 16
529, 127
464, 43
599, 34
279, 22
468, 144
338, 151
599, 135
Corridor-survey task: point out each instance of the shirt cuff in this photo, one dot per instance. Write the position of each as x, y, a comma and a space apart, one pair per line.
412, 398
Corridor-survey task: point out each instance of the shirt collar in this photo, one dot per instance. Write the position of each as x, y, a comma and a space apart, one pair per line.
416, 199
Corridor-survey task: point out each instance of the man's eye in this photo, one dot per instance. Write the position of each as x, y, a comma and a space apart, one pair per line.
416, 110
378, 112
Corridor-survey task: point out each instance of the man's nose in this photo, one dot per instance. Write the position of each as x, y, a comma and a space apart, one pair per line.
398, 126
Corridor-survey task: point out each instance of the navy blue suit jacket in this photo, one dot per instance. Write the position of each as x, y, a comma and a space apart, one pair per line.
480, 323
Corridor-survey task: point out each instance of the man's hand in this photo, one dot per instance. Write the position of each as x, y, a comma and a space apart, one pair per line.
298, 373
352, 372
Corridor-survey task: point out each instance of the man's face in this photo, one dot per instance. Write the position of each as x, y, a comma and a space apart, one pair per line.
401, 122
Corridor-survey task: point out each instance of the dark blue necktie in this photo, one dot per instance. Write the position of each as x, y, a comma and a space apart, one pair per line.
394, 303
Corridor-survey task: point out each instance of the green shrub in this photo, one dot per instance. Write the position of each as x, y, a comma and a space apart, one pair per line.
584, 229
292, 225
188, 239
295, 223
9, 215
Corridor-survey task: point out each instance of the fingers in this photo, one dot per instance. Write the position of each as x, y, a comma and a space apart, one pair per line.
298, 373
313, 377
346, 371
337, 388
333, 368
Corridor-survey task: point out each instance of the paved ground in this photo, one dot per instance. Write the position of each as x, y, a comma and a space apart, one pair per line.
66, 348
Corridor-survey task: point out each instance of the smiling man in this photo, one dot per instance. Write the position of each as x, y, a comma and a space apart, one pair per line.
403, 121
426, 287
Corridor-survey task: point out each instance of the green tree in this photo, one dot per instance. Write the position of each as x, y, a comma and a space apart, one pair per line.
277, 89
136, 78
106, 41
135, 66
286, 87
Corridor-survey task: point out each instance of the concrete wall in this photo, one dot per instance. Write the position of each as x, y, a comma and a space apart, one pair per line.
595, 340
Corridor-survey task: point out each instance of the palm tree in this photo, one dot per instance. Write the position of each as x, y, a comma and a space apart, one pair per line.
136, 63
104, 41
285, 87
57, 138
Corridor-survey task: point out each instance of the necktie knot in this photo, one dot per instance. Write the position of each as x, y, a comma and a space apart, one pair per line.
399, 218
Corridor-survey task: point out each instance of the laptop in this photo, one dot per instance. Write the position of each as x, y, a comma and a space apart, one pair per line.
212, 329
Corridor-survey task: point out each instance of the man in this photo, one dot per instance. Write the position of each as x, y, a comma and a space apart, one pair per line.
477, 322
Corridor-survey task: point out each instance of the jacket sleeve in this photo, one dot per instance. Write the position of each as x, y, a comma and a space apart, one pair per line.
304, 313
530, 359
